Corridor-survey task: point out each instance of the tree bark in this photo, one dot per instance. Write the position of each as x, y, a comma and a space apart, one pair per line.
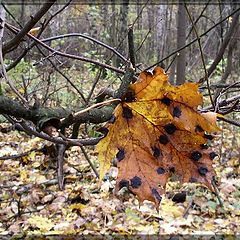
181, 41
123, 31
42, 116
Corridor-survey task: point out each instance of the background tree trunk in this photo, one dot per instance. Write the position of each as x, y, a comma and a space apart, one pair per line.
122, 34
181, 41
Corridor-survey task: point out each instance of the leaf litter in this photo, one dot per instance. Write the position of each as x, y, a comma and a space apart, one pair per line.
30, 202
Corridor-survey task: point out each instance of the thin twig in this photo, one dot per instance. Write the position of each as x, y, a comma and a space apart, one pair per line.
30, 46
233, 122
89, 161
17, 156
28, 26
84, 59
98, 75
89, 38
77, 114
198, 18
11, 15
224, 102
216, 192
193, 41
131, 48
201, 52
9, 81
63, 75
174, 58
185, 214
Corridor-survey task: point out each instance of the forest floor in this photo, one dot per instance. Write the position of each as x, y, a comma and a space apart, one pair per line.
31, 202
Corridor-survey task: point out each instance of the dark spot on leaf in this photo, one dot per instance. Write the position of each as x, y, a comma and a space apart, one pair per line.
208, 136
163, 139
120, 155
202, 171
179, 197
172, 169
136, 182
212, 155
198, 129
123, 183
129, 96
156, 194
177, 112
166, 101
112, 119
204, 146
156, 152
195, 156
193, 180
127, 113
170, 128
103, 130
161, 170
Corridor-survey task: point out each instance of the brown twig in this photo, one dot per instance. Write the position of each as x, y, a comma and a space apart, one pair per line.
131, 48
84, 59
89, 161
79, 113
233, 122
30, 46
224, 44
222, 103
216, 192
63, 75
61, 148
28, 26
202, 56
185, 214
17, 156
89, 38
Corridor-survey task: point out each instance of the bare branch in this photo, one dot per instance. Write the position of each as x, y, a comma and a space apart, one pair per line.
17, 156
4, 72
84, 59
194, 40
29, 25
62, 74
89, 38
131, 48
26, 50
202, 57
225, 42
